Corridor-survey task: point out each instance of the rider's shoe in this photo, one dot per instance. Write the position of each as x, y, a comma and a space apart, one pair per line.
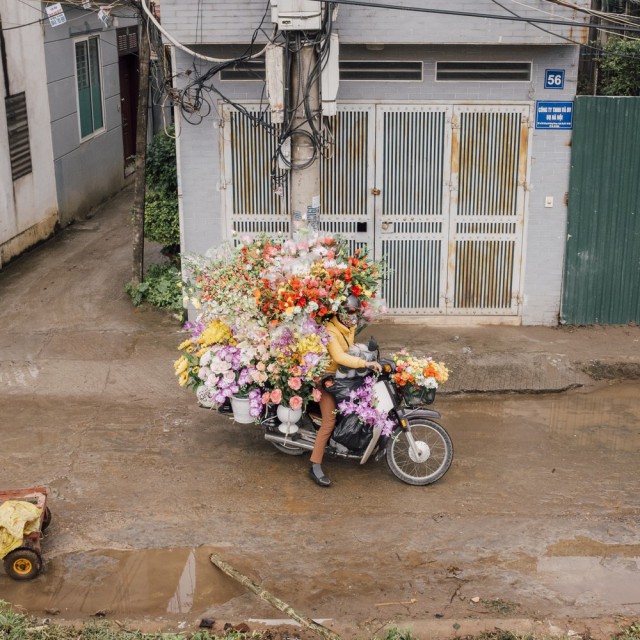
318, 476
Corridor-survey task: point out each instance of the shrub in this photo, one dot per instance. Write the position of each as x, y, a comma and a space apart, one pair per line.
161, 288
161, 221
162, 171
620, 73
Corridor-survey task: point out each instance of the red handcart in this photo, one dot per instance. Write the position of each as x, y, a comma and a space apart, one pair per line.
25, 562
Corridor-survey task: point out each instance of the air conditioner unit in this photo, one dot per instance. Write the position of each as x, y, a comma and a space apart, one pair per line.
297, 15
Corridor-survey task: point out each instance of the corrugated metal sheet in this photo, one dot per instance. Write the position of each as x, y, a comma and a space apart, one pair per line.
602, 263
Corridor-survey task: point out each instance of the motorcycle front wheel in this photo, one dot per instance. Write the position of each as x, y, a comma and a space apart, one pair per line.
427, 460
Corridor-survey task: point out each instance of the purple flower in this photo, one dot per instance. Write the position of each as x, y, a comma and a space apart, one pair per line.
362, 403
194, 328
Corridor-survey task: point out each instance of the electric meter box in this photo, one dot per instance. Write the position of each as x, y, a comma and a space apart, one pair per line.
297, 15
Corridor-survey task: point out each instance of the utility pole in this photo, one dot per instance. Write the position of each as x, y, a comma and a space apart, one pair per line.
141, 155
305, 171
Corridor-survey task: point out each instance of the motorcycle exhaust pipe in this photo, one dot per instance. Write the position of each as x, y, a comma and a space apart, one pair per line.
289, 442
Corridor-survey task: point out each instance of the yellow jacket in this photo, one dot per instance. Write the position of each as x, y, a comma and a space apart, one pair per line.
341, 339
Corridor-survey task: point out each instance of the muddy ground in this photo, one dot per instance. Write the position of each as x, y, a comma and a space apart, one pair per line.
537, 519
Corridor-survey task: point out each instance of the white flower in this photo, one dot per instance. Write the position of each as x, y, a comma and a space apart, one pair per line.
219, 366
204, 373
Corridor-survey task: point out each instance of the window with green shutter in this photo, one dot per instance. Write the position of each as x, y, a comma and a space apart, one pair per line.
89, 86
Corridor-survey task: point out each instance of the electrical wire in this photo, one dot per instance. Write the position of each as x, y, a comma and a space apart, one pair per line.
469, 14
182, 47
588, 47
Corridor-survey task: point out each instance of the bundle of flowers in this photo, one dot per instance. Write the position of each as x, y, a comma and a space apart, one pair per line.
297, 358
203, 337
272, 281
259, 332
418, 372
362, 402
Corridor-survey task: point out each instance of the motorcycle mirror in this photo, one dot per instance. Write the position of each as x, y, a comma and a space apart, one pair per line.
373, 344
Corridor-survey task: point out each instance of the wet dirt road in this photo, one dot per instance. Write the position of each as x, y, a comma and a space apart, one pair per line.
538, 515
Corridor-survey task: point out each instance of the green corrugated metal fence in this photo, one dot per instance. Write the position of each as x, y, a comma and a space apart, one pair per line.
602, 263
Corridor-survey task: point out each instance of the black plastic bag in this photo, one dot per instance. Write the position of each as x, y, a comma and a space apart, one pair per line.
351, 433
340, 388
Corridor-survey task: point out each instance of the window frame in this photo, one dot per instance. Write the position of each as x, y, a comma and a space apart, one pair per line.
100, 130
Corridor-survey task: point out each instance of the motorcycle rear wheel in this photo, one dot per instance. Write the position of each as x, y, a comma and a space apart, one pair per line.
435, 453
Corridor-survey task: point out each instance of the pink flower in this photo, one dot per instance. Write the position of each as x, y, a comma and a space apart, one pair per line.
276, 396
265, 397
317, 394
295, 403
294, 383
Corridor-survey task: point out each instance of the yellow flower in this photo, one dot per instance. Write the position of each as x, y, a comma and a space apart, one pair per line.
185, 344
183, 379
217, 332
181, 365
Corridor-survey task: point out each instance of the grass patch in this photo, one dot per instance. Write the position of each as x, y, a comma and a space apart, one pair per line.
17, 626
501, 607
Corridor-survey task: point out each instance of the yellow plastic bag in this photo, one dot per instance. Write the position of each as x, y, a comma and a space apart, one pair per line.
17, 519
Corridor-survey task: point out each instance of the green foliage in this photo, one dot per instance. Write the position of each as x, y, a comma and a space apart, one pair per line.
162, 172
161, 221
161, 288
630, 632
620, 75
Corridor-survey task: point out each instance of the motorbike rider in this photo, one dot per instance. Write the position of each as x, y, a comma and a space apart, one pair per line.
342, 331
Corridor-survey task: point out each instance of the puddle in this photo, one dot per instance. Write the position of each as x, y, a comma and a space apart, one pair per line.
605, 421
612, 580
588, 571
149, 582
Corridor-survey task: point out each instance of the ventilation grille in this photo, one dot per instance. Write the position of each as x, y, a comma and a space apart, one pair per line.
127, 40
18, 128
388, 70
483, 71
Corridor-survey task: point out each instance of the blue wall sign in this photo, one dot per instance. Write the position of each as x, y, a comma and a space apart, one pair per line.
554, 78
554, 114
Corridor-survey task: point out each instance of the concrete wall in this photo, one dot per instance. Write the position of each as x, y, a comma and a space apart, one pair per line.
28, 205
89, 171
191, 21
199, 151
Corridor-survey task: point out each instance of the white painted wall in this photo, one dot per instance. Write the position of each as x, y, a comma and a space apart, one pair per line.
28, 206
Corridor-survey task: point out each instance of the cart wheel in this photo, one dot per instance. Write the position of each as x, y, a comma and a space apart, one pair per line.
22, 564
46, 520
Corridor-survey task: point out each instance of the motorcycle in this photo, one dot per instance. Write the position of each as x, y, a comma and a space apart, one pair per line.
418, 451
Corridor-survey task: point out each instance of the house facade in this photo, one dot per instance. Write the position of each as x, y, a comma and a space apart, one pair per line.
450, 151
68, 108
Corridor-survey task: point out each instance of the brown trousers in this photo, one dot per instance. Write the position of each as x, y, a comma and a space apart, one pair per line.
327, 409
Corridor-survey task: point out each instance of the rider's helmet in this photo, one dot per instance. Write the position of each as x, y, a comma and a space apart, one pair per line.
352, 304
349, 313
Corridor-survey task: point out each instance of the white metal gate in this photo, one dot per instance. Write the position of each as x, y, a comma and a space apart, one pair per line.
488, 189
412, 170
438, 191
